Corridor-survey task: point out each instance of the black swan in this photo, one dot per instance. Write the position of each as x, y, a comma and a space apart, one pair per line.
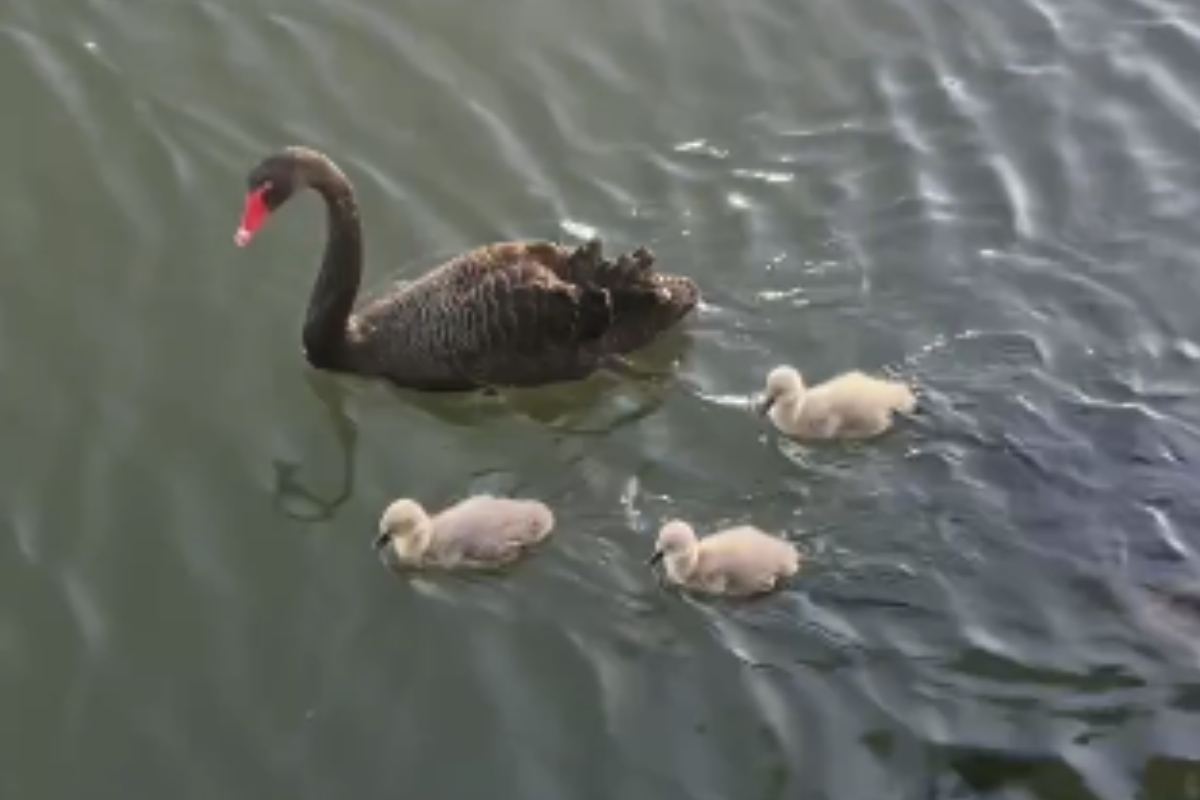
517, 314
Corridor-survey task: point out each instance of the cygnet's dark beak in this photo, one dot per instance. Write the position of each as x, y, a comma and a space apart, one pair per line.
764, 405
654, 559
381, 540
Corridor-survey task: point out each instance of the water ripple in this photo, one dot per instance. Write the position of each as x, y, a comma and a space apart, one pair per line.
994, 201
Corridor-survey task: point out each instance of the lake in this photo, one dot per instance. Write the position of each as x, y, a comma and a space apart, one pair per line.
996, 201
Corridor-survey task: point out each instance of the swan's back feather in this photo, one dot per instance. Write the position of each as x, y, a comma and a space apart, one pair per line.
518, 314
490, 529
746, 558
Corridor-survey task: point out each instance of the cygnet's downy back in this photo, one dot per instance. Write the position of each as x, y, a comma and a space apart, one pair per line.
740, 561
477, 533
853, 405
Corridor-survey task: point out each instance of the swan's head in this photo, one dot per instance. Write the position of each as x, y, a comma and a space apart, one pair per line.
676, 545
781, 382
404, 529
275, 179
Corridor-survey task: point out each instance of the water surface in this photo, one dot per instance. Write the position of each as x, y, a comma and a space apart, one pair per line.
995, 200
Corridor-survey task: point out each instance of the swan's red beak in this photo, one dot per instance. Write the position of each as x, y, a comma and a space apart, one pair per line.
253, 216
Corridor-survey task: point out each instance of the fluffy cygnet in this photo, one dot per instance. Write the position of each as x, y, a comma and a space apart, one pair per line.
479, 532
739, 561
852, 405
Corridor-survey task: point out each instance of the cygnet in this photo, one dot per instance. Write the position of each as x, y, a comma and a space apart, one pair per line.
852, 405
476, 533
739, 561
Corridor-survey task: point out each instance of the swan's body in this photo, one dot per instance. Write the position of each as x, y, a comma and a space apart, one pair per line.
478, 533
739, 561
506, 314
851, 406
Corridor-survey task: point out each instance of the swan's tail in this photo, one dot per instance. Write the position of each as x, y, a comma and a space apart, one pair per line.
905, 399
644, 301
596, 313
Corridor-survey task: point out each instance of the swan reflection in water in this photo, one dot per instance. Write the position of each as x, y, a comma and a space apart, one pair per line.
592, 407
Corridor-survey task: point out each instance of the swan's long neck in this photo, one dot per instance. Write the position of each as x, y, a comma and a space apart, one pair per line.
414, 544
336, 286
680, 565
790, 407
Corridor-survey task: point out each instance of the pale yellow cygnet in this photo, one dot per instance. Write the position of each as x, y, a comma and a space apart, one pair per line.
851, 406
477, 533
739, 561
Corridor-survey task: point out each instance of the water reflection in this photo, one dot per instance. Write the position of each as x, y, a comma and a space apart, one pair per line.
332, 394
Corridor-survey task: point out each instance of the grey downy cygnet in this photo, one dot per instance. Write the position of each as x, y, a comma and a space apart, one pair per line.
740, 561
852, 405
476, 533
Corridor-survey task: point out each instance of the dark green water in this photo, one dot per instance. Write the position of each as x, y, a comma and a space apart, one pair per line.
998, 200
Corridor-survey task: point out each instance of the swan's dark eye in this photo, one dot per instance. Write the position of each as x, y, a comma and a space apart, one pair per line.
274, 180
275, 193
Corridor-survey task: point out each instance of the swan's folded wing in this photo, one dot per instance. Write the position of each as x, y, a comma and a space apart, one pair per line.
497, 315
521, 320
488, 529
748, 553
